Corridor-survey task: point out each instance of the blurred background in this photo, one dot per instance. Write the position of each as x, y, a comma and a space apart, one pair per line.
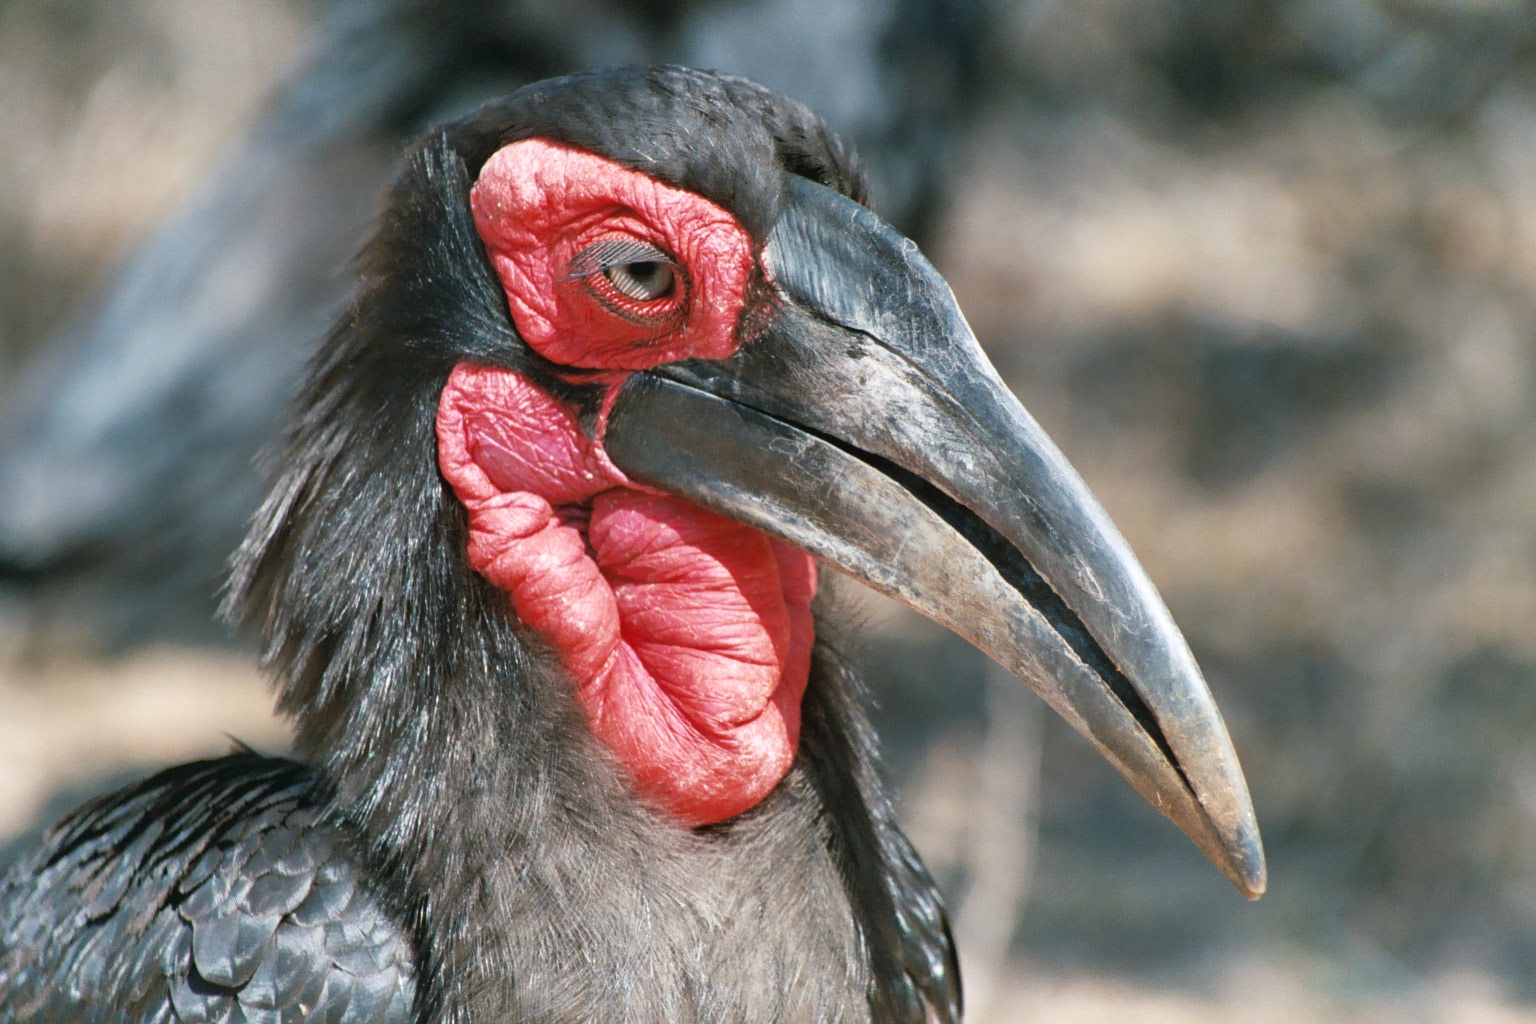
1266, 271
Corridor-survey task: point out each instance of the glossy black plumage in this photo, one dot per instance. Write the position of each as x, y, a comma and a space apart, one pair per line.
215, 891
503, 841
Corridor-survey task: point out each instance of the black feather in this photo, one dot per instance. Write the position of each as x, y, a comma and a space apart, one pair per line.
139, 907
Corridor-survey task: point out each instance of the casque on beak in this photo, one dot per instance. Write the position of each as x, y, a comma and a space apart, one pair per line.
866, 426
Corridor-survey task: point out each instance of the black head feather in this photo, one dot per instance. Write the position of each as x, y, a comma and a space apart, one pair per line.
726, 139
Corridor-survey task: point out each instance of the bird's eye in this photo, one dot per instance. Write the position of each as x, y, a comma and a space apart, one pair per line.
642, 280
636, 269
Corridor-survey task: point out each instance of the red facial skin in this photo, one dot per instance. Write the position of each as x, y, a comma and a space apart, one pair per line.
688, 636
538, 205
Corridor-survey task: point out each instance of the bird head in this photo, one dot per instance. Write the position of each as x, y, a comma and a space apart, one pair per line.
629, 358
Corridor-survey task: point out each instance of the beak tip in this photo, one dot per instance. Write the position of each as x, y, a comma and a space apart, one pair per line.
1245, 867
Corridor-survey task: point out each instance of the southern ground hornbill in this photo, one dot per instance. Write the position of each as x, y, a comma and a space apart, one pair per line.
538, 580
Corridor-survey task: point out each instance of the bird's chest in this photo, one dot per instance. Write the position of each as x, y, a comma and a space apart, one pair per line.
751, 923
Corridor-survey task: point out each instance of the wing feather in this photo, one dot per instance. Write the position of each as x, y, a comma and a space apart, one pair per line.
215, 891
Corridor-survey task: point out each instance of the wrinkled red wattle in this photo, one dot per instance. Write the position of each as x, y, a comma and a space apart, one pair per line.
688, 636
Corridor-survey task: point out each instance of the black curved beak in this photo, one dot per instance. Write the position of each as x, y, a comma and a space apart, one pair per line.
865, 425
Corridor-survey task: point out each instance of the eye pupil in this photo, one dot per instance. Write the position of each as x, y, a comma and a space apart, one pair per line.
642, 280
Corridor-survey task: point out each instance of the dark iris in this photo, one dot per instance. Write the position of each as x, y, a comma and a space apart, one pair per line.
643, 280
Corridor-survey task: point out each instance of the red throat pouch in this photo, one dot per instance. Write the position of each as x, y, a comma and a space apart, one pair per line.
687, 636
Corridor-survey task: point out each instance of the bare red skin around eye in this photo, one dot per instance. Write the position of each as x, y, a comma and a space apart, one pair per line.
688, 636
538, 205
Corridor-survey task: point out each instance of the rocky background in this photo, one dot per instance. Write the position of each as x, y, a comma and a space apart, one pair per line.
1266, 271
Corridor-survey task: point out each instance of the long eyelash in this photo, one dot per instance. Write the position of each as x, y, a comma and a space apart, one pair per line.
614, 252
